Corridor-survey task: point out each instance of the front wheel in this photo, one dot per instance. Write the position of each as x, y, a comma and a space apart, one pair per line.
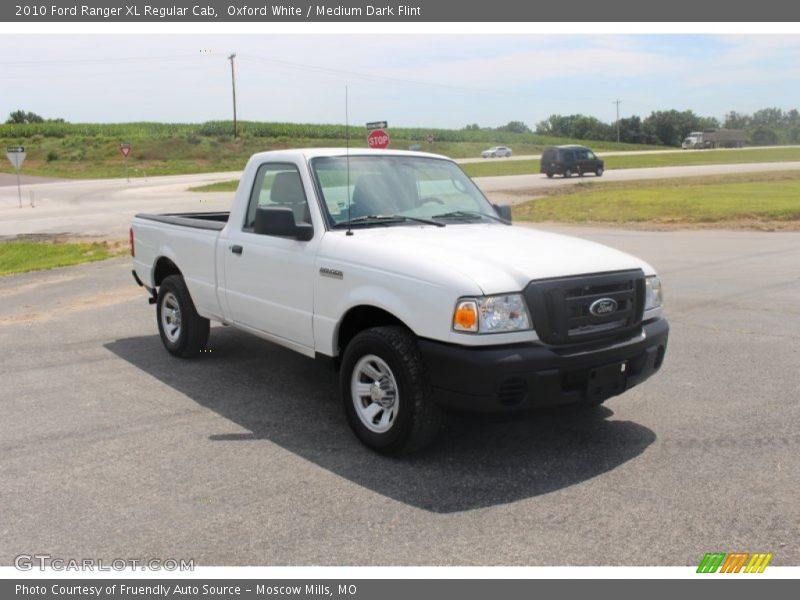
183, 332
385, 392
567, 173
599, 171
549, 174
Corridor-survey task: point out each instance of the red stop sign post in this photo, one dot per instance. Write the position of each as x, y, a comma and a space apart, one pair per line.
378, 139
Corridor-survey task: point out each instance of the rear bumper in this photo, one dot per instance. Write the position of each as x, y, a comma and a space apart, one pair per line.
496, 379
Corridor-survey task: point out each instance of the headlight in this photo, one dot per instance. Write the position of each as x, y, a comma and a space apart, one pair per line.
653, 294
491, 314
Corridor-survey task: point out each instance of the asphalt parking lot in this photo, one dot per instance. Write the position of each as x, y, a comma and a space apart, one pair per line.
111, 448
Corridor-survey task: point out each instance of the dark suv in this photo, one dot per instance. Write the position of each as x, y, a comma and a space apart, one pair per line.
566, 160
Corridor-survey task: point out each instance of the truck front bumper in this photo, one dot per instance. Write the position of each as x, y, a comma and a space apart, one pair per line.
514, 377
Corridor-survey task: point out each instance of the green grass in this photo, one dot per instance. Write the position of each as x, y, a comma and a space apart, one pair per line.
499, 167
704, 157
219, 186
20, 257
747, 200
92, 150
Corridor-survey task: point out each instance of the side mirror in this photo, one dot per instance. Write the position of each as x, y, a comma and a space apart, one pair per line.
279, 221
503, 211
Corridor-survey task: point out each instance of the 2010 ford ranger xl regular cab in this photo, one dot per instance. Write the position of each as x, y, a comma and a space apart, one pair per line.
396, 266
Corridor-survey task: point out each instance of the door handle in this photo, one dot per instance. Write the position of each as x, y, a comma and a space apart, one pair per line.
236, 249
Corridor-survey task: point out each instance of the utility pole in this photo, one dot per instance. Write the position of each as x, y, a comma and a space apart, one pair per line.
617, 102
233, 87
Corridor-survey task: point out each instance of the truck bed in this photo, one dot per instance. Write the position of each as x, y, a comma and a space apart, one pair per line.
198, 220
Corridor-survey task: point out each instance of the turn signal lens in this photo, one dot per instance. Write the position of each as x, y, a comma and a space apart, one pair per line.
466, 316
500, 313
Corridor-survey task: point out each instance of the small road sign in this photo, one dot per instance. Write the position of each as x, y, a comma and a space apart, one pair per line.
377, 125
430, 138
16, 155
125, 149
378, 139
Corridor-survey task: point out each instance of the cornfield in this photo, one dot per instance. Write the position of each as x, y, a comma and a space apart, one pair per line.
255, 129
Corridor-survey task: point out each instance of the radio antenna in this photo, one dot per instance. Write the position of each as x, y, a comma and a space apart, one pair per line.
347, 158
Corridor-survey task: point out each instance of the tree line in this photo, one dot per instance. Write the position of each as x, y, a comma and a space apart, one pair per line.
20, 117
768, 126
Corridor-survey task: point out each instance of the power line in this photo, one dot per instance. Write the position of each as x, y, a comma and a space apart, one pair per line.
359, 75
403, 81
91, 61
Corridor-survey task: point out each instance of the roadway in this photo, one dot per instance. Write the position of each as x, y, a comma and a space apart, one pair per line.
103, 208
111, 448
619, 153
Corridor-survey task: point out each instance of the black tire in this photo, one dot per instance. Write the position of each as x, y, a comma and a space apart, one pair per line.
549, 174
567, 173
190, 337
416, 418
599, 171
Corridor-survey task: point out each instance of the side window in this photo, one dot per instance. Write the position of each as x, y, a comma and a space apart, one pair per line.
581, 155
591, 155
569, 156
277, 184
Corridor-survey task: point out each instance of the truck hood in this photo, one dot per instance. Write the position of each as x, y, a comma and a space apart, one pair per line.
495, 257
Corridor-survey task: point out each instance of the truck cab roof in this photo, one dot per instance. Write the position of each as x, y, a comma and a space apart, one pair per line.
309, 153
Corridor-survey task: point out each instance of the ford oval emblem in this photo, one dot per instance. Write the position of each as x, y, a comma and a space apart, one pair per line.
603, 307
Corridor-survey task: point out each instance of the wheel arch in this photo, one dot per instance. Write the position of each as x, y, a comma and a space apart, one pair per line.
361, 317
163, 268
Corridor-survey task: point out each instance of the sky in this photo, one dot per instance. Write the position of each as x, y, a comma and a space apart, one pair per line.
447, 80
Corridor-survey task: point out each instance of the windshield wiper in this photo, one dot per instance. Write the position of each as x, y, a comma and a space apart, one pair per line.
469, 213
388, 219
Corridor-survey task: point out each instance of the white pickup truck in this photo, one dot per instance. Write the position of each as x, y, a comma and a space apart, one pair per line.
395, 266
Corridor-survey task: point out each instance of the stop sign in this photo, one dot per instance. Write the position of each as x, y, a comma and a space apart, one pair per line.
378, 139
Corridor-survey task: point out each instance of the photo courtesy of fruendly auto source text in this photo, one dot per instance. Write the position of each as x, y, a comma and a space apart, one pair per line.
428, 299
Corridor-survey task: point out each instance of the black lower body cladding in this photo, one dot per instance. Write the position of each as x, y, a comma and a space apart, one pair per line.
502, 378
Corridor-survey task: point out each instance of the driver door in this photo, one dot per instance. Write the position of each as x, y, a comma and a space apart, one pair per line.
269, 279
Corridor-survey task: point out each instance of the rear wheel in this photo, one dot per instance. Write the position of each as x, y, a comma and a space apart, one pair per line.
550, 174
183, 332
385, 392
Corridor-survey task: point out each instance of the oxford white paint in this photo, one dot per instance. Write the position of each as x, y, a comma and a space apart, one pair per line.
416, 273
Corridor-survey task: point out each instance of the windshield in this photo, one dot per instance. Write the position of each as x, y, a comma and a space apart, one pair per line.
402, 186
